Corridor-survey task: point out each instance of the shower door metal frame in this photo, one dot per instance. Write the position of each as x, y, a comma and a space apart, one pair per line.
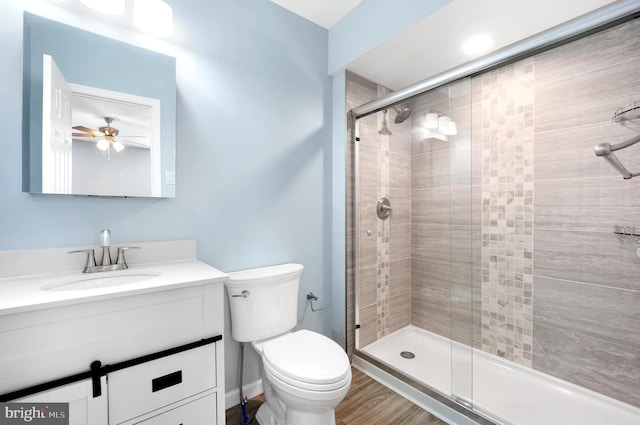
592, 22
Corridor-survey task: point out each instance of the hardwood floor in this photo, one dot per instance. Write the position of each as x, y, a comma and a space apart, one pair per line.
367, 402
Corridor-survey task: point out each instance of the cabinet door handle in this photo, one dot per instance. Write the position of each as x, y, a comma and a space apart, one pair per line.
166, 381
95, 378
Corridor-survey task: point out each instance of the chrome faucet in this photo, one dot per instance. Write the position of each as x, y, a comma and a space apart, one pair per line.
105, 263
105, 243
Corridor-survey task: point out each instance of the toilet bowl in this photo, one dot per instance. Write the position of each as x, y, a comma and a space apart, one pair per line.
309, 373
305, 375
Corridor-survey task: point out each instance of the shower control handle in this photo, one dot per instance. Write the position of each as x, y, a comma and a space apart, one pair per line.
383, 208
243, 294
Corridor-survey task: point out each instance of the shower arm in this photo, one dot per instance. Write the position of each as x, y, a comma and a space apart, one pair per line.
606, 150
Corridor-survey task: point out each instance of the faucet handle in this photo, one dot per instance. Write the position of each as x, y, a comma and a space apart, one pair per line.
91, 258
121, 259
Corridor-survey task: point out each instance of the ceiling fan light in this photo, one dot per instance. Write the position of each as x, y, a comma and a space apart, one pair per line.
103, 144
118, 146
110, 7
153, 16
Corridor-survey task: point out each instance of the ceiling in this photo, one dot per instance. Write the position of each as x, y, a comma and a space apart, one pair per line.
434, 44
322, 12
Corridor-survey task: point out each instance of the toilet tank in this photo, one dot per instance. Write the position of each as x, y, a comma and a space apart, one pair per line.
269, 307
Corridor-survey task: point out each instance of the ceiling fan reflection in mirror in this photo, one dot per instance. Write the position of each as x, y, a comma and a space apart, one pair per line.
108, 137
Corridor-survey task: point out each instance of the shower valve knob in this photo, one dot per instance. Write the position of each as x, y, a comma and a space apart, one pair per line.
383, 208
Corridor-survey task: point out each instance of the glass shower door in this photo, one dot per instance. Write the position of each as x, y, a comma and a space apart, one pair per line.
412, 236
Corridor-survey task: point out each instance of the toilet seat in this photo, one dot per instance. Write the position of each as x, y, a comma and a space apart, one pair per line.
307, 360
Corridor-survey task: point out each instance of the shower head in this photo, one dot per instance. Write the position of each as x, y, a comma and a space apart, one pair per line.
401, 114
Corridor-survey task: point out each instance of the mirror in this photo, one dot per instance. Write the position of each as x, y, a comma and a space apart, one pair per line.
99, 115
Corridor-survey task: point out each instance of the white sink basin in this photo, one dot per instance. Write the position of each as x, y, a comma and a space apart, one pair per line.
103, 280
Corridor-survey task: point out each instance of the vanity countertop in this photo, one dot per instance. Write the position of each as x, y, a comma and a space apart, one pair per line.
158, 266
21, 294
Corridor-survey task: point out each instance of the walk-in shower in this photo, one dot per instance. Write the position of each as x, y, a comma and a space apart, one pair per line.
497, 283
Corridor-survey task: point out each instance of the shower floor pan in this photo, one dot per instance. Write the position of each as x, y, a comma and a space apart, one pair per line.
500, 389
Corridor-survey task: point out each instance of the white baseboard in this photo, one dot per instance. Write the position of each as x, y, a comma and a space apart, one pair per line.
250, 390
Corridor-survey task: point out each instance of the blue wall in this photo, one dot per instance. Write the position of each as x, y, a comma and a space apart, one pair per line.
253, 179
259, 175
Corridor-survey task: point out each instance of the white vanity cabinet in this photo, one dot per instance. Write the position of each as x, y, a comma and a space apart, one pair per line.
159, 341
191, 412
167, 386
83, 407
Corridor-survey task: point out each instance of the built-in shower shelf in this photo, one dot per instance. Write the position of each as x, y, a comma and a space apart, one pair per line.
627, 113
626, 230
605, 150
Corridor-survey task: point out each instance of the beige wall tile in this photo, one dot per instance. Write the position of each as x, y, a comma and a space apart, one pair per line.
600, 258
610, 314
590, 362
590, 204
570, 102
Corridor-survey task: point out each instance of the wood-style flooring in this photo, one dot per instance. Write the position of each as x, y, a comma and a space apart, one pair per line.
367, 403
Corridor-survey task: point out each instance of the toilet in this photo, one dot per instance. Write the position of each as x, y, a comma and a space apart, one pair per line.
304, 374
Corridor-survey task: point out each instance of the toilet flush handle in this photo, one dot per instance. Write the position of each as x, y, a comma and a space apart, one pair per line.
243, 294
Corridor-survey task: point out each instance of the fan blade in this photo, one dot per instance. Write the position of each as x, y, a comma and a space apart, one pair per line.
95, 133
82, 135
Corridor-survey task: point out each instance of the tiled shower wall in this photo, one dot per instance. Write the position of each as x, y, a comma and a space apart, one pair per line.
384, 294
586, 280
553, 288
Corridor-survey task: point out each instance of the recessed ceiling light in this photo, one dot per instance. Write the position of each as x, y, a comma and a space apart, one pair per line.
477, 44
153, 16
110, 7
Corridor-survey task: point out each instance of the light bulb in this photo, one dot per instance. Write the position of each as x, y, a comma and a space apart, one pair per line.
477, 44
153, 16
118, 146
443, 124
110, 7
453, 128
103, 144
431, 120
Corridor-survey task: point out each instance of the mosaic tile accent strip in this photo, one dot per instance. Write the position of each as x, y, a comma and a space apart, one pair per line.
383, 287
507, 211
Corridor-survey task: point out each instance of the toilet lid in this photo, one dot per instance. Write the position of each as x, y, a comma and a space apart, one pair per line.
306, 357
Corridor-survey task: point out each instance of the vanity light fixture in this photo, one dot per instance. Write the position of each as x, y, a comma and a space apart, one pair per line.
110, 7
153, 16
431, 120
477, 44
440, 124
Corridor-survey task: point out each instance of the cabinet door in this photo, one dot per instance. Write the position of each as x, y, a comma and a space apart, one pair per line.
141, 389
84, 409
201, 411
